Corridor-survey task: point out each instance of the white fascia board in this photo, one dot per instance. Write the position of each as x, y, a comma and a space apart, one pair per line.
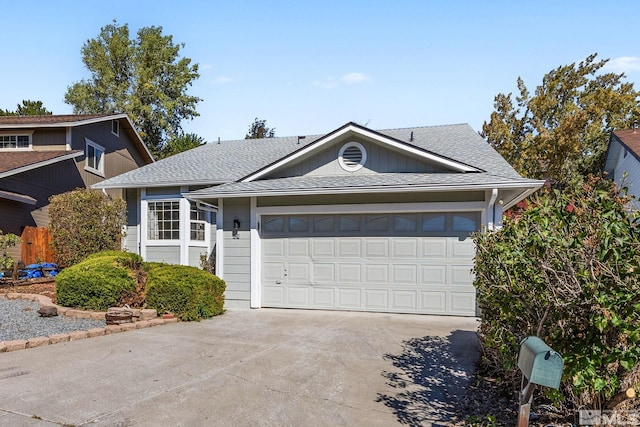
142, 184
41, 164
529, 186
317, 145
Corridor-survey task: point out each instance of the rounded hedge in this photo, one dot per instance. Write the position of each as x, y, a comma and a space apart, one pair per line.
98, 282
187, 292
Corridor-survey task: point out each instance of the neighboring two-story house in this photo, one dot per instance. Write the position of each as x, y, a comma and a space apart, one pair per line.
41, 156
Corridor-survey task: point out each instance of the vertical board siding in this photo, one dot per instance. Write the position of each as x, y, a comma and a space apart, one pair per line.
36, 245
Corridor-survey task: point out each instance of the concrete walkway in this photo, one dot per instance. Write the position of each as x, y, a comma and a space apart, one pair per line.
264, 367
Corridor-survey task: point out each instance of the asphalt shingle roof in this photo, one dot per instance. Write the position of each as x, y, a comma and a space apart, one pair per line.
227, 162
12, 160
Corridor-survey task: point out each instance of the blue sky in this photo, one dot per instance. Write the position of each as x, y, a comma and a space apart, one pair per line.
308, 67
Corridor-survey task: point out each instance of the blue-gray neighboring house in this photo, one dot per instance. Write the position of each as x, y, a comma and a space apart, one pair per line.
355, 219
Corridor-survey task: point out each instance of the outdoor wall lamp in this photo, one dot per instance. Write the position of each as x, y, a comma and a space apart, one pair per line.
236, 228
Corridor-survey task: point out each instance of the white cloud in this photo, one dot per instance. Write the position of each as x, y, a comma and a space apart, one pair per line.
623, 64
354, 78
349, 79
222, 80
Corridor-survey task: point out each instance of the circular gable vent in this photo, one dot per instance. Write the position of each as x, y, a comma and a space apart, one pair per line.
352, 156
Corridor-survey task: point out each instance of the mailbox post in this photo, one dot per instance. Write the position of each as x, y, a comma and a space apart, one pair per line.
540, 365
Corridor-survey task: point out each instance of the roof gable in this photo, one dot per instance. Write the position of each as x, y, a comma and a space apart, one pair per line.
354, 132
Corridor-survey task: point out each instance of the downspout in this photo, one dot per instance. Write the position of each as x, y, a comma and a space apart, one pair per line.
492, 209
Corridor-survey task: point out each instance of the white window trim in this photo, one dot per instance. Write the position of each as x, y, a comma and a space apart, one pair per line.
145, 221
350, 168
117, 126
100, 170
17, 134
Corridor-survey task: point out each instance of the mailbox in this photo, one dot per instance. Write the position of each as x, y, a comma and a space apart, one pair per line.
539, 363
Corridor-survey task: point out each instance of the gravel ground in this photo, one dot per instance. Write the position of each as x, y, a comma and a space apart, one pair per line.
19, 320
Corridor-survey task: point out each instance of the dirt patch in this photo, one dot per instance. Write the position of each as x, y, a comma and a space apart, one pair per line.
46, 287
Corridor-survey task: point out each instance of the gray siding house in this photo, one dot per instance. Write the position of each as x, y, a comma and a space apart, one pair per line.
355, 219
622, 162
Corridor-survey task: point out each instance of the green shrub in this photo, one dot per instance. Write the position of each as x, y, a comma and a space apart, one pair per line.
567, 270
98, 282
83, 222
187, 292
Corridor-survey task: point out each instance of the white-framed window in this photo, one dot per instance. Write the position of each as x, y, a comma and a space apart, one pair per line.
115, 127
95, 158
352, 156
15, 141
198, 222
163, 220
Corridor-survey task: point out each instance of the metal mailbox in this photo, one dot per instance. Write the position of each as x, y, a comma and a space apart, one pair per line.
539, 363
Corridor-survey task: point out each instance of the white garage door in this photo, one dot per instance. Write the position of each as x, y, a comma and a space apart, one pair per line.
404, 263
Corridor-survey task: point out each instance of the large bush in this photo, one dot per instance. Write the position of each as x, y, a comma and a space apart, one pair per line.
100, 281
113, 278
83, 222
188, 292
566, 269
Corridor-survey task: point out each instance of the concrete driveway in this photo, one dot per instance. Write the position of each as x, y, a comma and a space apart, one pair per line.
264, 367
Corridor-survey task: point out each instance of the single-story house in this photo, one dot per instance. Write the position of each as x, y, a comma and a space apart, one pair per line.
41, 156
622, 163
355, 219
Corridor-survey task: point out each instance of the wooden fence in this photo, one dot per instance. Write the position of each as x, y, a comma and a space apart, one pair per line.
36, 245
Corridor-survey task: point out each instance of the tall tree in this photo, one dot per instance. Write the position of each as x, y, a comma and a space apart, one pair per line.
180, 143
28, 108
144, 77
562, 130
258, 129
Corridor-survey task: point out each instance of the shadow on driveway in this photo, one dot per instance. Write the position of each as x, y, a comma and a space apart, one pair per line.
431, 375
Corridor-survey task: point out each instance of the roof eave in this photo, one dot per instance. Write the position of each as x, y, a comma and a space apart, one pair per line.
528, 186
40, 164
108, 186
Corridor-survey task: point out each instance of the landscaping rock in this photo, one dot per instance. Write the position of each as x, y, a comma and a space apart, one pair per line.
48, 311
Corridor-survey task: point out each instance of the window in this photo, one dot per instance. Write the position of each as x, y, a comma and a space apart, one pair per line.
163, 220
273, 224
95, 158
198, 222
298, 224
464, 222
9, 142
115, 127
404, 223
352, 156
434, 222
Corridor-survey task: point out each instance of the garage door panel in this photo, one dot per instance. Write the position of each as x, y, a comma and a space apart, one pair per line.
434, 247
404, 301
298, 296
433, 274
405, 248
324, 273
433, 301
376, 248
323, 297
298, 248
323, 248
272, 271
376, 273
299, 272
461, 275
273, 248
462, 302
406, 274
350, 299
376, 299
462, 248
273, 296
349, 273
349, 248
